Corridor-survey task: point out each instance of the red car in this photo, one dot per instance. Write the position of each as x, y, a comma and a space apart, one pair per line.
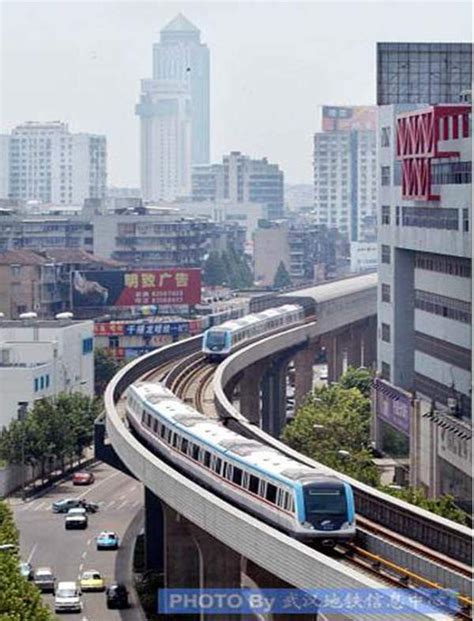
83, 478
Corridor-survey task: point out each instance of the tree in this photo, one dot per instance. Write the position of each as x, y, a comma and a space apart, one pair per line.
360, 378
214, 273
282, 278
105, 367
335, 419
20, 600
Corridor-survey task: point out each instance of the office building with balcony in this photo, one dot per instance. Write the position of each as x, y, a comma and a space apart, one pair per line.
49, 164
40, 359
423, 394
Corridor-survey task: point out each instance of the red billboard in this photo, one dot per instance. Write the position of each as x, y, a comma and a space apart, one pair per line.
136, 287
348, 118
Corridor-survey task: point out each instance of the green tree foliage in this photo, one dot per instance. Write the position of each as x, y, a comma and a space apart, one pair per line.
20, 600
214, 273
229, 268
105, 367
342, 419
443, 505
360, 378
282, 277
59, 428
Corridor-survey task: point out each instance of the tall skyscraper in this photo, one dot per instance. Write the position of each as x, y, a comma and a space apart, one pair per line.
174, 112
417, 72
50, 164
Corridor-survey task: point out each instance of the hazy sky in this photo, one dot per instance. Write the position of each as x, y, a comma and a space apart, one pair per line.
272, 64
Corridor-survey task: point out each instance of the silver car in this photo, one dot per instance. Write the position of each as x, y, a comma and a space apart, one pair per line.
44, 579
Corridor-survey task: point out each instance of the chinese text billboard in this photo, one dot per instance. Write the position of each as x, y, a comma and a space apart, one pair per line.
136, 287
348, 118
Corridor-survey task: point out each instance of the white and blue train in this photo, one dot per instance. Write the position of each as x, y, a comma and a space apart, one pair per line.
303, 502
220, 341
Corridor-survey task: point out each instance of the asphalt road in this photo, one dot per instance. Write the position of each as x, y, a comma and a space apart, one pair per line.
45, 542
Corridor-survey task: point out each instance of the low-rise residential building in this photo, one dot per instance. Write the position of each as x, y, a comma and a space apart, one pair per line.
41, 359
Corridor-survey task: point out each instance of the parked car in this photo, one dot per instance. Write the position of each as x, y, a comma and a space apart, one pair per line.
44, 579
63, 506
91, 580
67, 598
107, 540
26, 570
83, 478
116, 596
76, 518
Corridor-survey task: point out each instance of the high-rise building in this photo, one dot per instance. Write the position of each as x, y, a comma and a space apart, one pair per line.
423, 394
180, 55
345, 171
48, 163
417, 72
174, 112
4, 165
241, 180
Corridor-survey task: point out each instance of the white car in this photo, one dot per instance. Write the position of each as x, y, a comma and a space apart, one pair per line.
67, 597
76, 518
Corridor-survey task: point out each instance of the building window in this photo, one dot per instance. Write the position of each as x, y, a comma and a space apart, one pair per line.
385, 292
88, 345
385, 254
385, 214
36, 384
443, 350
386, 332
451, 173
431, 218
465, 220
451, 308
385, 137
385, 371
385, 175
46, 381
454, 266
114, 342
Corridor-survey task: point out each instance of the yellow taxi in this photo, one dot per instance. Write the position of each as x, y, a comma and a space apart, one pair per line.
91, 580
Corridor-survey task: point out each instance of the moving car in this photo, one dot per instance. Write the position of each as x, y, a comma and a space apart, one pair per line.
107, 540
91, 580
83, 478
44, 579
63, 506
76, 518
116, 596
90, 507
67, 598
26, 570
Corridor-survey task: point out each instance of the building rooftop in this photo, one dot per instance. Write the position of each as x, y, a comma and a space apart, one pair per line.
22, 257
78, 255
180, 24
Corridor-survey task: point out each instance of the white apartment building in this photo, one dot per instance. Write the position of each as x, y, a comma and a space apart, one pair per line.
423, 395
42, 358
4, 165
48, 163
344, 160
165, 114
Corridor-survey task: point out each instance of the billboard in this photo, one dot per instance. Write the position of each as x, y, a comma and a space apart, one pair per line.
136, 287
348, 118
393, 406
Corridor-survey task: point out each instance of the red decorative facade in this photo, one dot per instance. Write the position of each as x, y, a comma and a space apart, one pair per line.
418, 136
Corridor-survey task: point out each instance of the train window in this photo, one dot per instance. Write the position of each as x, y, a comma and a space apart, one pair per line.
143, 416
195, 451
176, 440
184, 445
163, 431
217, 465
228, 471
155, 425
148, 420
207, 459
253, 484
271, 493
237, 476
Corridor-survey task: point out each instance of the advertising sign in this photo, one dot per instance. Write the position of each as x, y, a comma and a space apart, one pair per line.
141, 329
393, 406
348, 118
136, 287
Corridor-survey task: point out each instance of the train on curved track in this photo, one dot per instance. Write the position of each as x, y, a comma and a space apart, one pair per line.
301, 501
220, 341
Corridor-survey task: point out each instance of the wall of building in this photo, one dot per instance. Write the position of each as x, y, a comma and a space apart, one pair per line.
270, 247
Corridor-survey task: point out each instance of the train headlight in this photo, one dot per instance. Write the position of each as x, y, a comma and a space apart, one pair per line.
346, 525
307, 525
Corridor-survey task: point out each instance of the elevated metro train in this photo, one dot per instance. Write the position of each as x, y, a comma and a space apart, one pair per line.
299, 500
220, 341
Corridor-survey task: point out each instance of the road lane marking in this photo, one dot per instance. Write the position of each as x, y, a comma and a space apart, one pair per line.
94, 487
121, 505
112, 502
81, 566
123, 497
31, 553
83, 555
136, 503
89, 542
38, 506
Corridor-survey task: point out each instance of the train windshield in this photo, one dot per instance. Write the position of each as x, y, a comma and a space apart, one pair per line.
215, 339
324, 500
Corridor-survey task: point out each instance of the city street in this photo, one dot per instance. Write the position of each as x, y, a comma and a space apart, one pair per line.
45, 542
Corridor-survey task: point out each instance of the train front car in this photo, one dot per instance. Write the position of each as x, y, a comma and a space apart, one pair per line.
216, 343
326, 507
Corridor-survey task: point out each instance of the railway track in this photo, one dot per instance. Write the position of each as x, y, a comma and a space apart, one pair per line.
190, 379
